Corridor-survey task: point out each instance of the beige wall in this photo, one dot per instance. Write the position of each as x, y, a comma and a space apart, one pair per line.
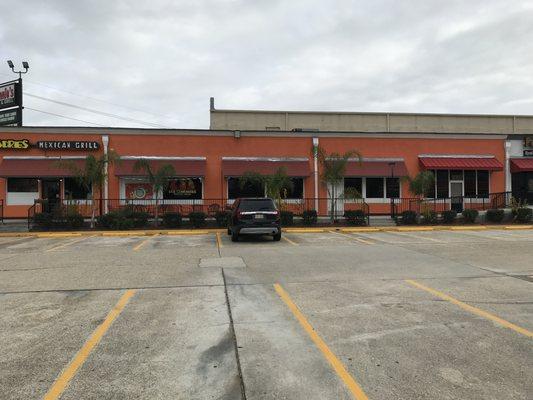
370, 122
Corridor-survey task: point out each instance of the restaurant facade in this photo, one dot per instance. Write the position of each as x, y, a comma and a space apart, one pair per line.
208, 163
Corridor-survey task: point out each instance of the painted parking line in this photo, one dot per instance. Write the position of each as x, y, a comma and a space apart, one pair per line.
415, 236
62, 246
335, 363
79, 359
140, 245
15, 240
472, 309
289, 241
353, 237
219, 241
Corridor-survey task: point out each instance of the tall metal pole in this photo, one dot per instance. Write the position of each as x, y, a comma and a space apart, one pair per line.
19, 124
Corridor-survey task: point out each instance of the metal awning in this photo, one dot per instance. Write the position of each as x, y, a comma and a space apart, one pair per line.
521, 164
183, 166
233, 166
490, 163
22, 167
376, 168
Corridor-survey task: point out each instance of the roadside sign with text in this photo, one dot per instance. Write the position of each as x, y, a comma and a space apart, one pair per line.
10, 117
10, 95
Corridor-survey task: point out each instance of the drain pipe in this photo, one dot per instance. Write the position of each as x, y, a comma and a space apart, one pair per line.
105, 142
315, 172
508, 180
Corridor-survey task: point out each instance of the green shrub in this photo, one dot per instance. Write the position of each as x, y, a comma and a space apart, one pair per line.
43, 221
172, 220
74, 221
309, 217
115, 220
408, 217
222, 218
523, 214
139, 219
469, 215
287, 218
449, 216
430, 217
197, 219
355, 217
494, 215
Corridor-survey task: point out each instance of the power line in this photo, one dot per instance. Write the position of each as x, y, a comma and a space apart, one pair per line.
95, 111
62, 116
96, 99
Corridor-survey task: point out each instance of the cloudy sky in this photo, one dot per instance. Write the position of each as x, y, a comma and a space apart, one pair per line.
157, 62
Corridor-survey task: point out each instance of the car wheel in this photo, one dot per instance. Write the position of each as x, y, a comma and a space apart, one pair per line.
234, 237
277, 237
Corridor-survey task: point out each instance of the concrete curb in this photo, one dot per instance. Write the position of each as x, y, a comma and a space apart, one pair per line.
287, 230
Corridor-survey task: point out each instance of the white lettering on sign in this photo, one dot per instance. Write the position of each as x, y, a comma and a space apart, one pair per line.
7, 94
67, 145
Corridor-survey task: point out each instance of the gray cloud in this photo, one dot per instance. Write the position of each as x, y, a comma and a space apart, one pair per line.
167, 57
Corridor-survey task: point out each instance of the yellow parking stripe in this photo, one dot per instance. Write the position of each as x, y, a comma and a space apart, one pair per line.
289, 241
358, 239
61, 246
219, 240
63, 380
141, 245
472, 309
417, 236
337, 365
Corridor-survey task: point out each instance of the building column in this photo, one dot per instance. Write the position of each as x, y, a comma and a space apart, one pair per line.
315, 170
508, 178
105, 142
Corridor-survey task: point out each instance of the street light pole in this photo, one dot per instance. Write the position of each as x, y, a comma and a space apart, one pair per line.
26, 66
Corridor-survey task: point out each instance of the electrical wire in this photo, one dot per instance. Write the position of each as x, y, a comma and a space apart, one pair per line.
153, 125
62, 116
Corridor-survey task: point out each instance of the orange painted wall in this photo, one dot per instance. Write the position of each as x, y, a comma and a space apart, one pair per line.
215, 147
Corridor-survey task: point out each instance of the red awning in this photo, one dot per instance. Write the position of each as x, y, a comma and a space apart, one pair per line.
35, 168
521, 164
469, 163
240, 167
185, 167
376, 168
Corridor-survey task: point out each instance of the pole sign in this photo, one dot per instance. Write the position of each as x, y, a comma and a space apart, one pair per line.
10, 95
10, 117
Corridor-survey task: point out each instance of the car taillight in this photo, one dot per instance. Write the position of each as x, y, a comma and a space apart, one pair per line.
239, 214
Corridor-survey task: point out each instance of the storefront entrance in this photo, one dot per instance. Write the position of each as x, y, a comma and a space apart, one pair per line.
50, 191
456, 196
522, 186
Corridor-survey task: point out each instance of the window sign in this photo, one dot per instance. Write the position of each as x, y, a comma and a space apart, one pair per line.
183, 189
139, 191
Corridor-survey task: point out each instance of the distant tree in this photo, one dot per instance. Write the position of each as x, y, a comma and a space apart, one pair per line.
159, 179
92, 175
333, 171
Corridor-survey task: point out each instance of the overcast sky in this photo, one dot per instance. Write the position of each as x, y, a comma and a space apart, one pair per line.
159, 61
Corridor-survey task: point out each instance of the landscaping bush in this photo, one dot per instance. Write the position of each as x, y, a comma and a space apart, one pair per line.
355, 217
74, 221
495, 215
43, 221
172, 220
222, 218
430, 217
309, 217
287, 218
139, 219
469, 215
408, 217
197, 219
116, 220
449, 216
523, 214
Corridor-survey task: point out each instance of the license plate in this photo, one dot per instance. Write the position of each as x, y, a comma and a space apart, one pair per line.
259, 216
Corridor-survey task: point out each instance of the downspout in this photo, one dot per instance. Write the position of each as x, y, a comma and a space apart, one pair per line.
315, 170
508, 180
105, 142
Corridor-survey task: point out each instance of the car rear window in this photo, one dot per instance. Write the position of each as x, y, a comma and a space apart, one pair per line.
256, 205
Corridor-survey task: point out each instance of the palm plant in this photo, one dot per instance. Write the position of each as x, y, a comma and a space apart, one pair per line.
420, 186
92, 175
333, 170
277, 184
159, 179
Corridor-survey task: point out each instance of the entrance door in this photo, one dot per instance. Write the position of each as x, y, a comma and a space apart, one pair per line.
456, 196
51, 189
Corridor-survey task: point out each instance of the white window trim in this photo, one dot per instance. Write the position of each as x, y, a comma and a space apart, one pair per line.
372, 200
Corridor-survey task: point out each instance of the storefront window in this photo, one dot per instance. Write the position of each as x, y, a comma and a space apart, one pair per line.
183, 189
75, 191
297, 190
442, 184
470, 183
249, 189
353, 186
393, 187
374, 188
483, 183
22, 185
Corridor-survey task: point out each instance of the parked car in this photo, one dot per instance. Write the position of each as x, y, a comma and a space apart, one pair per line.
254, 216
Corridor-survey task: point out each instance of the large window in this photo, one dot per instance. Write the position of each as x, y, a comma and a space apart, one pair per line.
393, 187
475, 183
442, 184
470, 184
22, 185
74, 190
483, 183
297, 190
353, 186
374, 188
183, 189
249, 189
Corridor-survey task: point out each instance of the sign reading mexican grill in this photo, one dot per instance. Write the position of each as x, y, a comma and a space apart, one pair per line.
66, 145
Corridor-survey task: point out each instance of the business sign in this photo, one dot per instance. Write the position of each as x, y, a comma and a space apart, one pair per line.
528, 141
528, 153
10, 95
14, 144
139, 191
67, 145
10, 117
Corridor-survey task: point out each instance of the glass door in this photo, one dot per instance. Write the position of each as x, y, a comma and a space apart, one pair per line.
456, 196
51, 191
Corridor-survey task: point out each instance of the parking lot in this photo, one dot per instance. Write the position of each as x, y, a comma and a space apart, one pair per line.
323, 315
